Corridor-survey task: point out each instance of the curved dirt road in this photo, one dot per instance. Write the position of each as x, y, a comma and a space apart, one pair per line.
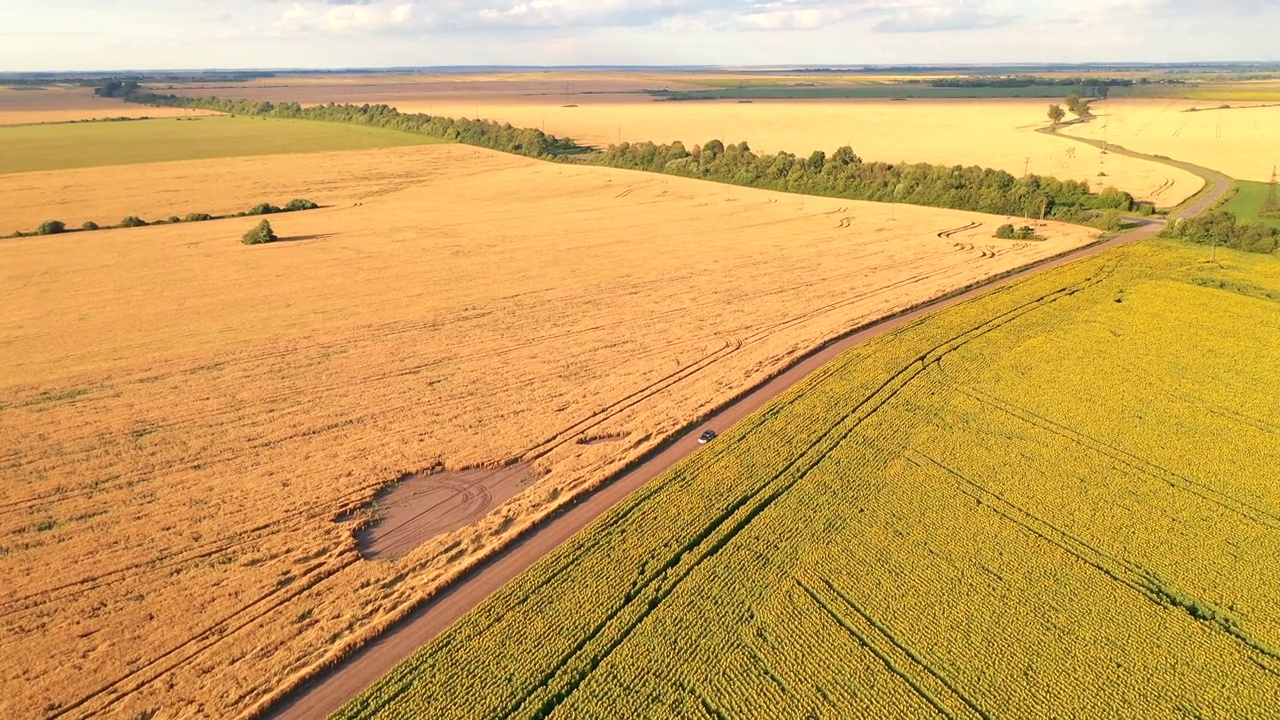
334, 687
1216, 184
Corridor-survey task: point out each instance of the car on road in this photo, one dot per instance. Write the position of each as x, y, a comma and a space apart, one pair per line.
706, 437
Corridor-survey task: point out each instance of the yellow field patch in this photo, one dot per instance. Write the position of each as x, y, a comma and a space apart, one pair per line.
184, 418
989, 133
1243, 141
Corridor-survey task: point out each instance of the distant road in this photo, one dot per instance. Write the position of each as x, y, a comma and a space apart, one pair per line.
335, 686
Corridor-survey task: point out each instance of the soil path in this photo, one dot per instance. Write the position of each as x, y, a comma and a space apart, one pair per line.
335, 686
1216, 185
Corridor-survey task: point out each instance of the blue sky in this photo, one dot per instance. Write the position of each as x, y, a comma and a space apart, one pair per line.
133, 34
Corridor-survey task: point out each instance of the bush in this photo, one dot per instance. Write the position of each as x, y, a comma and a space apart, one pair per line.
299, 204
263, 209
132, 221
89, 225
197, 217
174, 219
260, 234
51, 227
1026, 232
1006, 232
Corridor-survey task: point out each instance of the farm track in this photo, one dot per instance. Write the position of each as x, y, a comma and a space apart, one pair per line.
1217, 185
334, 686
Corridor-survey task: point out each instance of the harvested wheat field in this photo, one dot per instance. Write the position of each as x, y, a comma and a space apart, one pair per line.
1242, 141
191, 425
989, 133
29, 105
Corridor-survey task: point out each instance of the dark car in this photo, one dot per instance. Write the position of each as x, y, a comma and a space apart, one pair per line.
706, 437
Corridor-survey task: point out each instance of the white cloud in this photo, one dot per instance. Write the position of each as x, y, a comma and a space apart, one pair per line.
346, 18
934, 16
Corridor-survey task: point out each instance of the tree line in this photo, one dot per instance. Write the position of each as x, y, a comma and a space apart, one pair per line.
845, 175
842, 174
1020, 81
1225, 229
481, 133
57, 227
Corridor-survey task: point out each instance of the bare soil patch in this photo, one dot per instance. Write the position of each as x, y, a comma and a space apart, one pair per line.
422, 506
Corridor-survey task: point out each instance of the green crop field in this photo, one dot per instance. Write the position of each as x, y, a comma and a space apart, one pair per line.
59, 146
1247, 203
1056, 500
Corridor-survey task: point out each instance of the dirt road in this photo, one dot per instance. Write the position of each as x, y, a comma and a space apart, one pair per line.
337, 685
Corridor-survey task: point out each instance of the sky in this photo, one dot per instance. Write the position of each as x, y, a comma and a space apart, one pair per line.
187, 34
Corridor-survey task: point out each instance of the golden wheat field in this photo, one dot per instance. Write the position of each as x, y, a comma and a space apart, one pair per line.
159, 190
64, 104
184, 418
1241, 141
989, 133
594, 110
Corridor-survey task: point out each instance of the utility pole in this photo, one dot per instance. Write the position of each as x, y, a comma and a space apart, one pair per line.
1026, 166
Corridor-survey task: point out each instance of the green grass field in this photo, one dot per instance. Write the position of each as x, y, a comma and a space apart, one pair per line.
1051, 501
1247, 203
60, 146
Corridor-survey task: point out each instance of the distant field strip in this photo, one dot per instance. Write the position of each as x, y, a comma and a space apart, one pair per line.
29, 148
1052, 500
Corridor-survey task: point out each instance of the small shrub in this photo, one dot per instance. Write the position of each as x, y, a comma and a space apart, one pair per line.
264, 209
1006, 232
197, 217
51, 227
132, 221
89, 225
260, 234
300, 204
1026, 232
174, 219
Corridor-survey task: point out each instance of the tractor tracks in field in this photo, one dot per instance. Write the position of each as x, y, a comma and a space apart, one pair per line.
1126, 573
1246, 510
646, 594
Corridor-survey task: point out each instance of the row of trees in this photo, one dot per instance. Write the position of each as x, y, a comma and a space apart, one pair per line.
57, 227
843, 174
1225, 229
1099, 87
481, 133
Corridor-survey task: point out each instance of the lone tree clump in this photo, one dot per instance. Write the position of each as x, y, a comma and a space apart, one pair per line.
300, 204
263, 209
1007, 232
51, 227
260, 234
1056, 113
